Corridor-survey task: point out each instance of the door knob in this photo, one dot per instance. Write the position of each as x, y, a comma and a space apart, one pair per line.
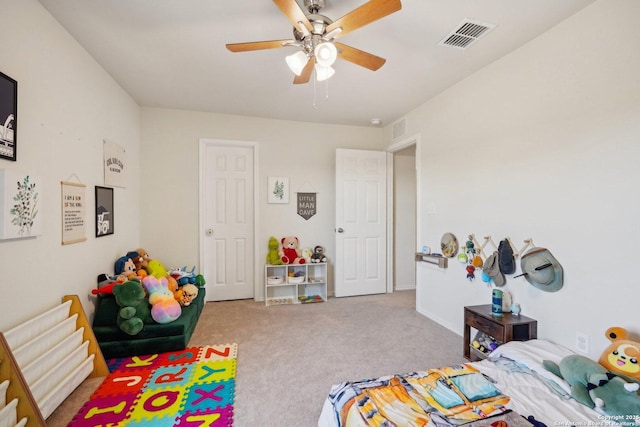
209, 232
340, 230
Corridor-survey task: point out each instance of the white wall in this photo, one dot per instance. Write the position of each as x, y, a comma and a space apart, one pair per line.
304, 152
548, 150
67, 105
404, 218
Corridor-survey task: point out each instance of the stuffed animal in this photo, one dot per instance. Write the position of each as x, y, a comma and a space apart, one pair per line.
134, 310
621, 356
105, 285
290, 254
142, 260
155, 268
186, 294
272, 255
183, 276
318, 255
594, 386
124, 268
164, 307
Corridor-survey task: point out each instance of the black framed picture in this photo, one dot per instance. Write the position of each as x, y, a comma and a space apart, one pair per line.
104, 211
8, 117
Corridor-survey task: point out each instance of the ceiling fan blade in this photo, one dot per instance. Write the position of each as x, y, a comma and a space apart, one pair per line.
294, 13
270, 44
359, 57
363, 15
305, 76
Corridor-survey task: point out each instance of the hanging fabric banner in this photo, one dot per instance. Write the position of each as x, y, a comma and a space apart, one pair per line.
306, 205
114, 165
74, 216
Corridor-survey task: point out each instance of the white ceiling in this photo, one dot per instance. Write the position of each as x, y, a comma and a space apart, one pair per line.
171, 53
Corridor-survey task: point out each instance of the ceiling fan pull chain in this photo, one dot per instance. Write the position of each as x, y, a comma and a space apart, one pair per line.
326, 90
315, 105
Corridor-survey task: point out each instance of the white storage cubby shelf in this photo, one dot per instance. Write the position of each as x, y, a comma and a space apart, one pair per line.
295, 283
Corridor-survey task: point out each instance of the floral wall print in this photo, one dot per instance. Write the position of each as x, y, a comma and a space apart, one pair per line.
21, 200
278, 189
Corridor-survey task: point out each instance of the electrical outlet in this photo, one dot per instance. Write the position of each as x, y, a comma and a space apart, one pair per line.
582, 343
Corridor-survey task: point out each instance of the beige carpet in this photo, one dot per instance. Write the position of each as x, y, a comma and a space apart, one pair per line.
289, 356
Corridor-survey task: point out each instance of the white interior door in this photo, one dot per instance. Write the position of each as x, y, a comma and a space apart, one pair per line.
227, 220
361, 222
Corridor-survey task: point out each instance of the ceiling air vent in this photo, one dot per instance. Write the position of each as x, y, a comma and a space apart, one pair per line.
399, 128
465, 34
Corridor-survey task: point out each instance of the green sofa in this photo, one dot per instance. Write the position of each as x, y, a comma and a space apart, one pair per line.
154, 338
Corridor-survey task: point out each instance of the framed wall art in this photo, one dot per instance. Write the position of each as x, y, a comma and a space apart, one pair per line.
8, 117
104, 211
278, 189
20, 205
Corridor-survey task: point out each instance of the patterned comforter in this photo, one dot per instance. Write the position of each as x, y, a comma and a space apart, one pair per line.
448, 396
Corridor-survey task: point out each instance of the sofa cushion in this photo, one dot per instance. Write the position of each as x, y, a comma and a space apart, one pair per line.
154, 337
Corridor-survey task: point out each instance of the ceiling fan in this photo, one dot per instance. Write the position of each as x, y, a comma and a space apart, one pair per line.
314, 34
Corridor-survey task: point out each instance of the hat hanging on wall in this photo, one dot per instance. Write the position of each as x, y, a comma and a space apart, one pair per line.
541, 269
492, 269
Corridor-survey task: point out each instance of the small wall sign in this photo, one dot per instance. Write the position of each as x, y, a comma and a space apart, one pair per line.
306, 205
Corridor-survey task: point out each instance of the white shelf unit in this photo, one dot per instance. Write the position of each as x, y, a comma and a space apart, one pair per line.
295, 283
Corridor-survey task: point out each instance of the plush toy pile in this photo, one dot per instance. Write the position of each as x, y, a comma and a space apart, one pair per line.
146, 292
288, 251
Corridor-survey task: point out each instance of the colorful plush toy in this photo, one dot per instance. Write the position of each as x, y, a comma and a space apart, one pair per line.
124, 268
155, 268
594, 386
318, 255
183, 276
186, 294
290, 254
164, 307
272, 255
134, 310
621, 356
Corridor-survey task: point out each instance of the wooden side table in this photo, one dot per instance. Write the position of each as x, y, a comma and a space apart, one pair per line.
509, 327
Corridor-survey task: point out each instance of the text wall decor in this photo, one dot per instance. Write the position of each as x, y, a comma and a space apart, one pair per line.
74, 216
114, 165
307, 205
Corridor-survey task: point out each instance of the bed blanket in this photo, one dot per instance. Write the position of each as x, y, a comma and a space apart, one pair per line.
448, 396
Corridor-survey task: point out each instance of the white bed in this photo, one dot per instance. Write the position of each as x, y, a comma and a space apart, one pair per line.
516, 367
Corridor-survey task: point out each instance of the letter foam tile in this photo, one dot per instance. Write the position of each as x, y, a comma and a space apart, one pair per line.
183, 388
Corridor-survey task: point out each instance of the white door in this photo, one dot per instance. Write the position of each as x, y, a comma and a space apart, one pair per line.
227, 219
361, 222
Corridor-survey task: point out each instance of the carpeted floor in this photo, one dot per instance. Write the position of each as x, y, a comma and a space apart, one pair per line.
289, 356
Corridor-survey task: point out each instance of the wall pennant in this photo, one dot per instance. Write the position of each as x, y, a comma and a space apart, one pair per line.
307, 205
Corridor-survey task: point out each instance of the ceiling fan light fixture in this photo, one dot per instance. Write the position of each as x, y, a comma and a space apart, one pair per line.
323, 73
297, 62
325, 53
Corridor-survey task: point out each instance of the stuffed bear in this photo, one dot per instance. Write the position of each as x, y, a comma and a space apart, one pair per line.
164, 307
272, 256
318, 255
621, 356
134, 310
594, 386
290, 254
